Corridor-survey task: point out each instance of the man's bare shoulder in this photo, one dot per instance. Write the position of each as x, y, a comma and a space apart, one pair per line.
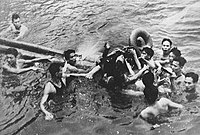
164, 100
49, 88
23, 27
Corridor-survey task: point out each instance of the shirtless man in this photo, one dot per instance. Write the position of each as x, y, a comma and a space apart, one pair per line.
155, 107
159, 107
71, 65
166, 47
191, 87
177, 66
11, 63
174, 53
191, 80
16, 28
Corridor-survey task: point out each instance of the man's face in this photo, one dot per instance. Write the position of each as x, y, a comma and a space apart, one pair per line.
166, 47
11, 59
145, 55
72, 58
175, 66
17, 23
171, 56
189, 84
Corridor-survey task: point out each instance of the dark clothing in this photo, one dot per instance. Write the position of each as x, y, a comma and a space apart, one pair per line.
57, 96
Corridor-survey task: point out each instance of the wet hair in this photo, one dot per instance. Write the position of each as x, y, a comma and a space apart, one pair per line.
148, 79
150, 91
67, 53
54, 68
193, 75
149, 51
176, 51
12, 51
15, 16
167, 39
181, 61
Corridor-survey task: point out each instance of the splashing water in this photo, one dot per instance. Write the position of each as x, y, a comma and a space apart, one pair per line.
90, 50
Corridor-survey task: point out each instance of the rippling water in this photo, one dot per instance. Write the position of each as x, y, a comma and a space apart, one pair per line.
86, 24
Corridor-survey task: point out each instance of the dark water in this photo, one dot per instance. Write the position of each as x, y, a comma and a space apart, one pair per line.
85, 25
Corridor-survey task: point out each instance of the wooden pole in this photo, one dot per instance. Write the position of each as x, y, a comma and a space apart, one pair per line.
29, 47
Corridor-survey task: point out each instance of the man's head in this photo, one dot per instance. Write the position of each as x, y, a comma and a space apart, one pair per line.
140, 42
174, 53
166, 45
177, 64
191, 80
16, 20
55, 70
147, 53
148, 79
11, 55
70, 56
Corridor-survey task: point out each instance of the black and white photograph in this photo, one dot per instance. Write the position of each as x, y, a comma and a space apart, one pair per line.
99, 67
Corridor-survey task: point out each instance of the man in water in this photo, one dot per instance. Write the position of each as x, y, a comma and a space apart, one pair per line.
177, 66
71, 63
11, 63
16, 27
174, 52
54, 89
156, 106
190, 83
12, 66
166, 47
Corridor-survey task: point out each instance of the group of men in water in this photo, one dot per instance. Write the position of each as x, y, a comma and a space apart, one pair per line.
158, 80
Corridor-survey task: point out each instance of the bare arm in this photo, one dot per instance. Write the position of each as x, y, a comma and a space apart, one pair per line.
93, 71
35, 60
74, 74
136, 59
138, 74
129, 68
151, 63
73, 69
170, 103
18, 70
47, 90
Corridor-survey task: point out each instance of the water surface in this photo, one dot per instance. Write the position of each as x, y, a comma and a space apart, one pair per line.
85, 25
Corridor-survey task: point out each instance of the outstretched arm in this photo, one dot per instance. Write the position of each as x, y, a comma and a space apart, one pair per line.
35, 59
92, 72
171, 104
18, 70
